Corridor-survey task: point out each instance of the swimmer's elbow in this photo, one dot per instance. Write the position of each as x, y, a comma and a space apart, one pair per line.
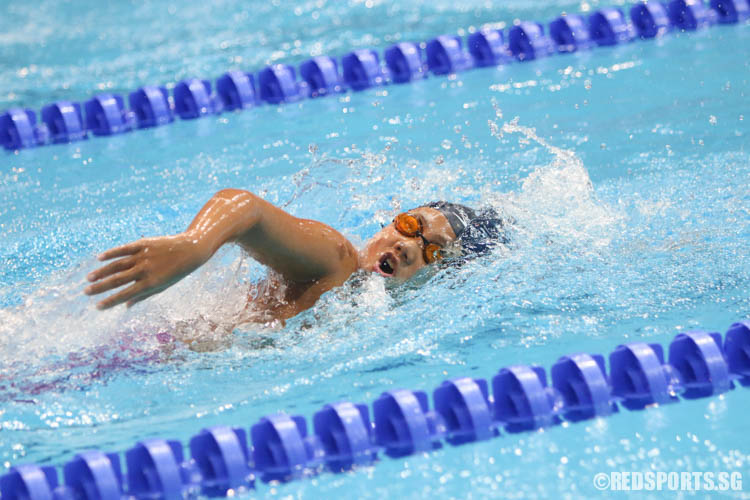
244, 204
233, 194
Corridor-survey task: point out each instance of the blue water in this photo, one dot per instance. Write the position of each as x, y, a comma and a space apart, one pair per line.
625, 169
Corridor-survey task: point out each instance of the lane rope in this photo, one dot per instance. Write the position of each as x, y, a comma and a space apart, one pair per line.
151, 106
343, 436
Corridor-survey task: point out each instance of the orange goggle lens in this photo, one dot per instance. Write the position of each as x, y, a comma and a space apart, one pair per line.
432, 253
408, 225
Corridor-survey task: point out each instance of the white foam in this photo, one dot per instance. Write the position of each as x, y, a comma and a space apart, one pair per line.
556, 201
57, 318
557, 198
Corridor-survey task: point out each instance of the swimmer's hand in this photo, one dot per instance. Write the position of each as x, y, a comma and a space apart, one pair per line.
306, 252
150, 264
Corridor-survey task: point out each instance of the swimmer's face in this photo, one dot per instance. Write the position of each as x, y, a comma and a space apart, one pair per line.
394, 255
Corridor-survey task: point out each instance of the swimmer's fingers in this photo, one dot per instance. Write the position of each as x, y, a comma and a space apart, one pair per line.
114, 281
121, 296
122, 251
142, 296
112, 268
146, 292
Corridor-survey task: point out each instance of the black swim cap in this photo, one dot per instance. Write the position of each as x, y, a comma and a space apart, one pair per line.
484, 232
458, 215
476, 234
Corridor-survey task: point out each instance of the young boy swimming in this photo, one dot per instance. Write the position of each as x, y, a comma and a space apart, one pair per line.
308, 256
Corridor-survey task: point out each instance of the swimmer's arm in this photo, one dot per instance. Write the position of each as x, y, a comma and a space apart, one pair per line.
303, 251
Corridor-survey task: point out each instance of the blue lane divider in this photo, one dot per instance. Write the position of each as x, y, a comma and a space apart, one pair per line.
581, 380
346, 433
404, 424
446, 54
193, 99
570, 33
278, 83
488, 48
523, 401
698, 358
223, 463
650, 19
322, 76
640, 377
30, 482
405, 62
106, 115
361, 69
151, 106
18, 129
737, 351
93, 474
610, 27
223, 459
527, 41
465, 408
64, 121
157, 469
236, 90
691, 14
282, 449
731, 11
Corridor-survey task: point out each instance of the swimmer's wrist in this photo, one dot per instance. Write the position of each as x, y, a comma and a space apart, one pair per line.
201, 247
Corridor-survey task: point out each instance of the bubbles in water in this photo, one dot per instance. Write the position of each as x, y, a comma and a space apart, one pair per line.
368, 324
56, 328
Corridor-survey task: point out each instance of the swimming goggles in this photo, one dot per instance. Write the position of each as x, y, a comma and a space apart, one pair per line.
410, 226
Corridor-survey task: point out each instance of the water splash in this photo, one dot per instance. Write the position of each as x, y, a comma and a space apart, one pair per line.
57, 339
557, 199
365, 324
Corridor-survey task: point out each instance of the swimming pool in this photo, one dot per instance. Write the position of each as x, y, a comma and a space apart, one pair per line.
634, 228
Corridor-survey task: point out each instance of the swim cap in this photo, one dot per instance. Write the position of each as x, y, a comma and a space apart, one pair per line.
476, 234
458, 215
484, 232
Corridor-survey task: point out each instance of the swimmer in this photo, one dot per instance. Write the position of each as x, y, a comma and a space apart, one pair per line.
308, 257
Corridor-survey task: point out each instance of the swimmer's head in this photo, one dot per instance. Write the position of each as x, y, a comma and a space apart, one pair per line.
457, 215
407, 244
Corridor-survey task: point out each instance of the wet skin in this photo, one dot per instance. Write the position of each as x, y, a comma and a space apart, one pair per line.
404, 255
309, 257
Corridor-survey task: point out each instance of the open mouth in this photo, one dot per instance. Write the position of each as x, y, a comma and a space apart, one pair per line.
386, 265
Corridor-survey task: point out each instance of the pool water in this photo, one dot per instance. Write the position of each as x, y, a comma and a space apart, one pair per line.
625, 170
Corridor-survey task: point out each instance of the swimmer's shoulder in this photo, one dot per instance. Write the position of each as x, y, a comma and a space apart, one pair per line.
329, 257
346, 254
